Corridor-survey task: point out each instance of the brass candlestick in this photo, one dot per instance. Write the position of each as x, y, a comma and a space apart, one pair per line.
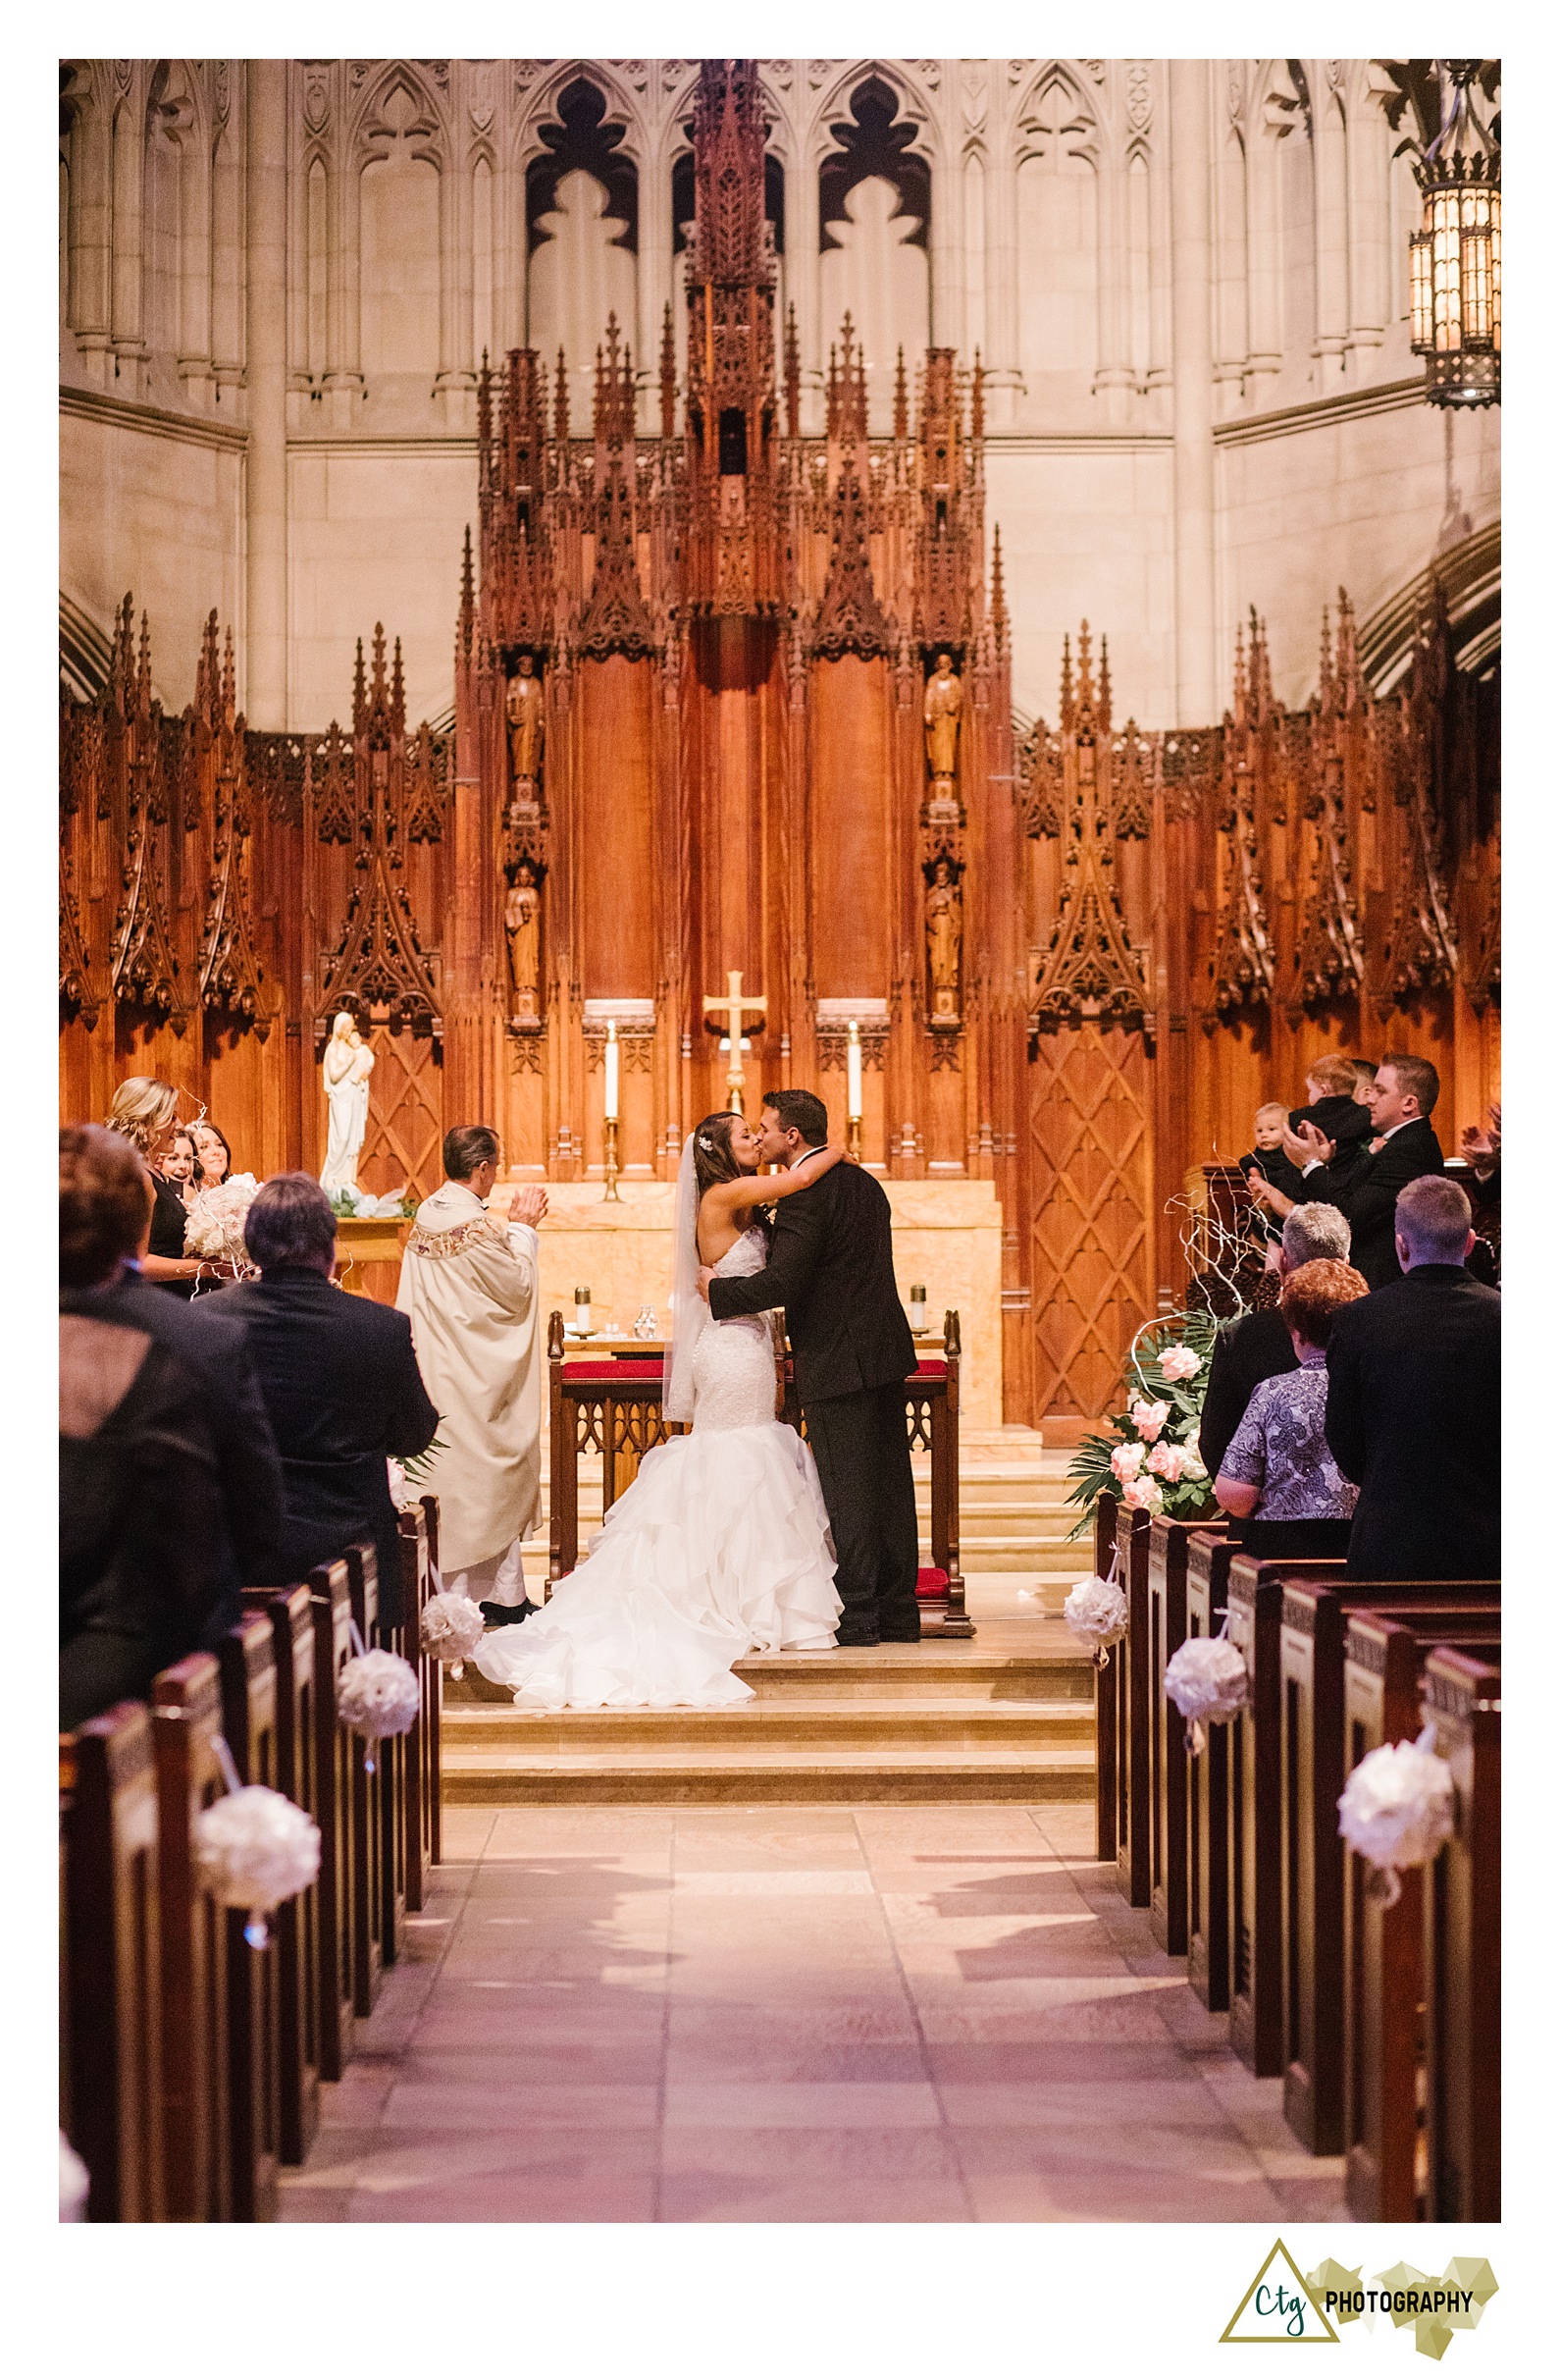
852, 1138
611, 1190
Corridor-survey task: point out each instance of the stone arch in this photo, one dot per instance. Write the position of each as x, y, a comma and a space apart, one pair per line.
1057, 75
364, 117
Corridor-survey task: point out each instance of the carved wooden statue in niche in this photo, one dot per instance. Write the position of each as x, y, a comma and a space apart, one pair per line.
945, 944
522, 923
523, 708
945, 701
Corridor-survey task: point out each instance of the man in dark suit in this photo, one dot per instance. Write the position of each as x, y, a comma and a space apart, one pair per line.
340, 1384
831, 1266
1257, 1346
1413, 1402
1402, 1148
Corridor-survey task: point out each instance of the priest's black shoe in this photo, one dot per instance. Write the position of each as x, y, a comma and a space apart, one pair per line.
506, 1616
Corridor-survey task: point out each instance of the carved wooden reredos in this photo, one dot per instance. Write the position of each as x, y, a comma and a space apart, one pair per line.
730, 698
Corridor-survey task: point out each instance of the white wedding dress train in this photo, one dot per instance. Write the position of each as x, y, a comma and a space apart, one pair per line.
719, 1548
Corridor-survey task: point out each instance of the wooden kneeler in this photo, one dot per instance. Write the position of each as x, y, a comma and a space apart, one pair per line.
1315, 1614
1208, 1822
1383, 1948
368, 1803
186, 1721
1462, 1948
334, 1749
249, 1681
1169, 1913
296, 1927
113, 1964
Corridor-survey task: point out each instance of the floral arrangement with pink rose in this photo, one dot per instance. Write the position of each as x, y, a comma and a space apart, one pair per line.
1150, 1461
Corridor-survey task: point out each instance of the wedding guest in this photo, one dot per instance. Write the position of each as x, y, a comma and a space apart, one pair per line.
1335, 1105
1257, 1346
1272, 1165
213, 1157
1413, 1411
144, 1112
178, 1166
341, 1385
1278, 1477
170, 1488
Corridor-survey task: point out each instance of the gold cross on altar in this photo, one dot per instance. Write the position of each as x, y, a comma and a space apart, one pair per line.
733, 1004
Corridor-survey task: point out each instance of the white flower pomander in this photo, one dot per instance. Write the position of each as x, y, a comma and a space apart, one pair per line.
1397, 1809
377, 1695
74, 2183
1206, 1679
254, 1848
453, 1628
1096, 1611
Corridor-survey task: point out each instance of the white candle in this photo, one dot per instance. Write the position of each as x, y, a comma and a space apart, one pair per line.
612, 1071
853, 1075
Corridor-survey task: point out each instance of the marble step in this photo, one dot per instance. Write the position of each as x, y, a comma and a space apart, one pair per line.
820, 1772
764, 1726
996, 1666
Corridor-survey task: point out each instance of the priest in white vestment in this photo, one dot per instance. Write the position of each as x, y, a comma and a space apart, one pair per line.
470, 1283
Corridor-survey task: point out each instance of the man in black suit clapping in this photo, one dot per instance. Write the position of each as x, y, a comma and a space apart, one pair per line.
1402, 1149
831, 1266
1413, 1402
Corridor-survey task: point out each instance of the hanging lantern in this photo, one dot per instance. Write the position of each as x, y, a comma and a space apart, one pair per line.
1454, 261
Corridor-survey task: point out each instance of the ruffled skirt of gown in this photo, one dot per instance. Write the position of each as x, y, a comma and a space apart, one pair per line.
719, 1548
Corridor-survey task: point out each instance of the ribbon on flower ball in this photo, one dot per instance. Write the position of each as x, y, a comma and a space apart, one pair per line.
1397, 1810
1096, 1611
254, 1848
1206, 1679
377, 1695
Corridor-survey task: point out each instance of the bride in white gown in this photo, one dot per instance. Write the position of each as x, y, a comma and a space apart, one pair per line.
721, 1545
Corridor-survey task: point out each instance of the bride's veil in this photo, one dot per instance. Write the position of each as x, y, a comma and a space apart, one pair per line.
690, 1313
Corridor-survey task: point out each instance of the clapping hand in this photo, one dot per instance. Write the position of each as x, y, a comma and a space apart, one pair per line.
528, 1205
1482, 1149
1308, 1145
1263, 1194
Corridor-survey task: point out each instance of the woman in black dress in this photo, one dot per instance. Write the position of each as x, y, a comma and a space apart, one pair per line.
146, 1113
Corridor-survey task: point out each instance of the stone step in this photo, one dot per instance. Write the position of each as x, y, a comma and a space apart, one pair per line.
758, 1727
994, 1666
729, 1775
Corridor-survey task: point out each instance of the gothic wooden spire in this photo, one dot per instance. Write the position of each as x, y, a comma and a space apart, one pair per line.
669, 376
850, 618
901, 400
793, 375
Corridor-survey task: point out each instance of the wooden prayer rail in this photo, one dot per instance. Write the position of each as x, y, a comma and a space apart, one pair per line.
1383, 1946
1461, 1700
1310, 1742
612, 1406
193, 2059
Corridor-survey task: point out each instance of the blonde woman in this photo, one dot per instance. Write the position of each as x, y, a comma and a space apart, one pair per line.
146, 1113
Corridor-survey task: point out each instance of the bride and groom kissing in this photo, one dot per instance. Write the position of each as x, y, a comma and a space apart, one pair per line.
740, 1537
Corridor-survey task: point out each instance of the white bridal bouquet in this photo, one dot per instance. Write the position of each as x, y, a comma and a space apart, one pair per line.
215, 1219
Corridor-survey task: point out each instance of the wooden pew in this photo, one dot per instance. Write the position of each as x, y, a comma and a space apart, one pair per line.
193, 1935
296, 1927
1311, 1850
1254, 1600
388, 1783
1208, 1556
1107, 1696
335, 1753
248, 1684
113, 1964
1462, 1949
1383, 1948
368, 1808
1168, 1912
932, 1397
416, 1587
433, 1775
1132, 1711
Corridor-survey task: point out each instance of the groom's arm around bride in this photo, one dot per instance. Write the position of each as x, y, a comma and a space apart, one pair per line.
831, 1266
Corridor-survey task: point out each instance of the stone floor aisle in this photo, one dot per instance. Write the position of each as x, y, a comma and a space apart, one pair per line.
907, 2015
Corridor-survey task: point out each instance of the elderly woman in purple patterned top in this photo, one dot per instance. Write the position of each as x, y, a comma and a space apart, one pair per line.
1278, 1478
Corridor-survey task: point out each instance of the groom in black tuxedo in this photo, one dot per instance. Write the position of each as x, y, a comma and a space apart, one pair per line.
831, 1267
